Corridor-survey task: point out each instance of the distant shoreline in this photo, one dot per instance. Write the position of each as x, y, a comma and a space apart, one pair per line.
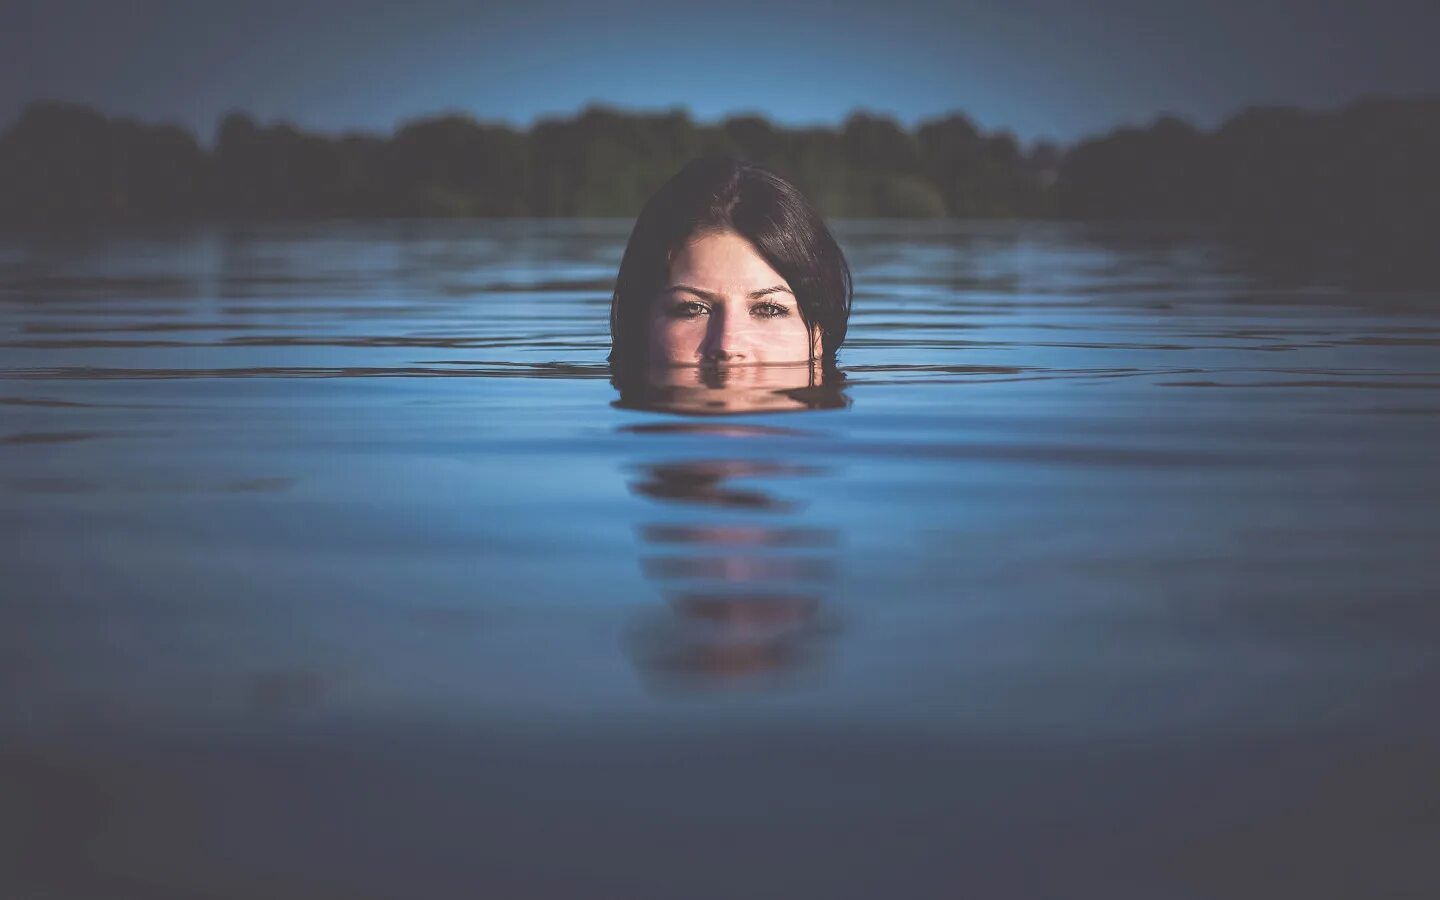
1366, 166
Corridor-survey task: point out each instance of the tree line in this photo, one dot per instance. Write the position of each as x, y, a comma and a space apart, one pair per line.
67, 163
1372, 163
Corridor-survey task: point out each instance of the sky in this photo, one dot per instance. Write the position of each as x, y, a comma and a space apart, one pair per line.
1055, 69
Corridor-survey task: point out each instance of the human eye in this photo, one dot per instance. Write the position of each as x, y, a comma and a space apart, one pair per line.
688, 309
768, 311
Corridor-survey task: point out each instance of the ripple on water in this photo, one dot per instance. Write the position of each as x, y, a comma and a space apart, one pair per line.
1106, 532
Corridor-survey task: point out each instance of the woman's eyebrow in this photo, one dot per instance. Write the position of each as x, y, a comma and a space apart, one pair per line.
704, 295
716, 298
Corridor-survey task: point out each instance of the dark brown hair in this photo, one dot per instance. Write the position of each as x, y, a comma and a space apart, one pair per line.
725, 194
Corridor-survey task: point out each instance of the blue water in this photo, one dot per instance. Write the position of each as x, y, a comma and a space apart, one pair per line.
334, 565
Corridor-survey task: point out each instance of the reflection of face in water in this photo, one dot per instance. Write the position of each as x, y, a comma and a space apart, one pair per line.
743, 574
702, 390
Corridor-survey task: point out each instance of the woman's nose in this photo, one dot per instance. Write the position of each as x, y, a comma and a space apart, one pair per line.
724, 341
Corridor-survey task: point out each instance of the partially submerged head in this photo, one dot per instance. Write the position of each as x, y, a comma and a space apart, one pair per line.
728, 265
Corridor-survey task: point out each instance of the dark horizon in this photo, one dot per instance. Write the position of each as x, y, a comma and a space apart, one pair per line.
208, 140
1362, 168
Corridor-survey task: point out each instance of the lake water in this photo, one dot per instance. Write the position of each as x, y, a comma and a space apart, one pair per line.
335, 566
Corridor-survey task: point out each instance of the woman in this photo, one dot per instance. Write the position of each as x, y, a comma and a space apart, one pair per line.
728, 266
732, 297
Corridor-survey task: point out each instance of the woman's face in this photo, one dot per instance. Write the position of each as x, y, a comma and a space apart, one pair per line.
723, 304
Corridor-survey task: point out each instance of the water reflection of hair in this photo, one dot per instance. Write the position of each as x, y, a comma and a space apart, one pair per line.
724, 194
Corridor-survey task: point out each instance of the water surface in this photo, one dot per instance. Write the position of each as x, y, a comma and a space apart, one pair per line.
336, 565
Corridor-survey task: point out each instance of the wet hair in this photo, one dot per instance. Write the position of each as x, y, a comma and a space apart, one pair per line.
725, 194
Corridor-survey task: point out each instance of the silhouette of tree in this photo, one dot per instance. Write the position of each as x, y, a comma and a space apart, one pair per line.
754, 138
1161, 173
454, 166
978, 175
1365, 171
63, 163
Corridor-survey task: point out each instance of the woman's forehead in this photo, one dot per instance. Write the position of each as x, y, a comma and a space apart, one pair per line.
722, 262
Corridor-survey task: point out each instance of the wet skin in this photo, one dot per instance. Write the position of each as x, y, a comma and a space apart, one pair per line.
724, 305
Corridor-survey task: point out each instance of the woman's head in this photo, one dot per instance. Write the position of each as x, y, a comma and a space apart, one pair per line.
729, 264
